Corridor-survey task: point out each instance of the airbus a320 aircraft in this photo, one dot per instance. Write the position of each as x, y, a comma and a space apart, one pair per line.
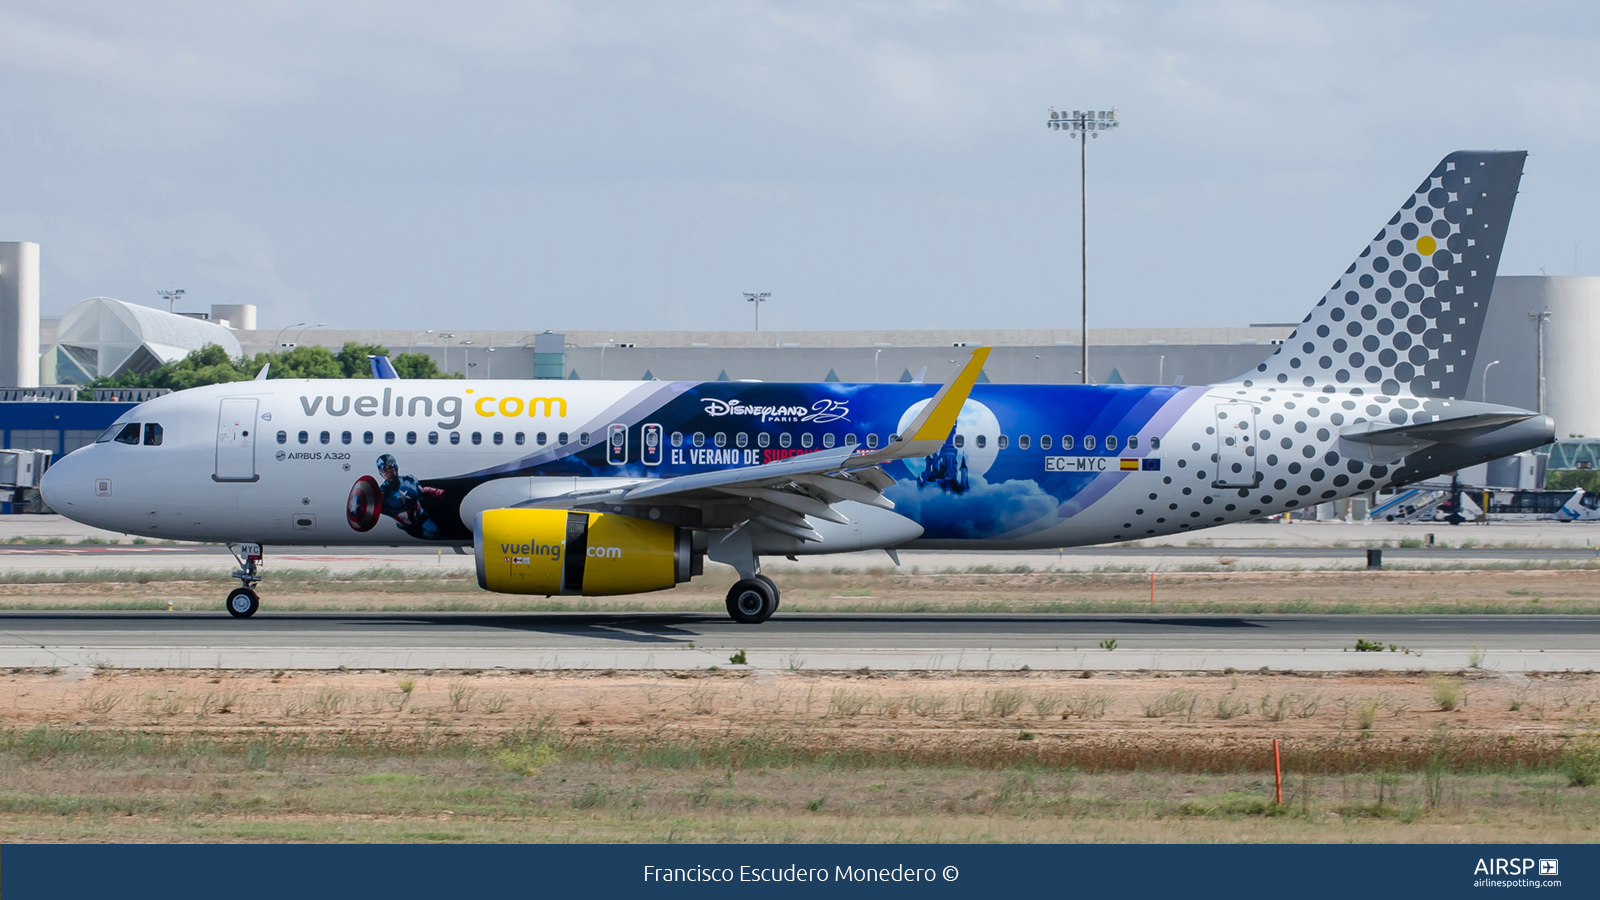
614, 487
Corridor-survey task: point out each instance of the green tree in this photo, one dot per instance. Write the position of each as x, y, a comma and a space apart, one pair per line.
211, 365
418, 365
353, 360
208, 365
306, 362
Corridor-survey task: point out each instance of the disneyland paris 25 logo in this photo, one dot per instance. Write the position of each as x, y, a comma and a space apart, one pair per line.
820, 412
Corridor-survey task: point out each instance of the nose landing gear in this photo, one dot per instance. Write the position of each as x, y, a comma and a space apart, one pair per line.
242, 600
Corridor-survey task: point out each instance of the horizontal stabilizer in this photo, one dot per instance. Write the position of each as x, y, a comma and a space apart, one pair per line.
1444, 431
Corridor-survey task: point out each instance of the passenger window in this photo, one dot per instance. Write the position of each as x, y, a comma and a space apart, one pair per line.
961, 440
1023, 441
677, 439
1066, 442
455, 437
699, 439
872, 441
366, 438
850, 440
983, 441
763, 439
1133, 442
583, 439
411, 437
1088, 442
742, 439
499, 438
433, 437
1155, 443
784, 439
283, 437
893, 438
540, 439
561, 438
805, 440
345, 438
1044, 442
305, 437
1002, 442
827, 440
152, 434
388, 437
521, 439
1111, 442
325, 438
477, 437
721, 439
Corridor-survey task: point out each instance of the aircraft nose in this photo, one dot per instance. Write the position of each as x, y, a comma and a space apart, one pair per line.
59, 486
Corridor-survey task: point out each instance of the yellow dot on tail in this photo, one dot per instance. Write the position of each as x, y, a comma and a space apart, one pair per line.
1426, 245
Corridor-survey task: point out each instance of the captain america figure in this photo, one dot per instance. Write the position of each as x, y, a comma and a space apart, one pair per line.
402, 499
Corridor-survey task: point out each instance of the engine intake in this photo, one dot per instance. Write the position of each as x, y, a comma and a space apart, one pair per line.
554, 551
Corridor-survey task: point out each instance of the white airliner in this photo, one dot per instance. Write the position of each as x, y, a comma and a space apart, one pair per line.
573, 487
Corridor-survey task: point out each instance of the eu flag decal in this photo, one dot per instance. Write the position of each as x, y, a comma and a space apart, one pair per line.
1151, 465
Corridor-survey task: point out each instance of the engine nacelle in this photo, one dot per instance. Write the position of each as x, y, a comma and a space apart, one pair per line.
553, 551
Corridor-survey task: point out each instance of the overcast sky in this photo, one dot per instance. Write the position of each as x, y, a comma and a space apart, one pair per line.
873, 165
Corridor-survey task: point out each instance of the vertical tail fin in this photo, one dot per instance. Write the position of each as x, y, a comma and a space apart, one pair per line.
1407, 315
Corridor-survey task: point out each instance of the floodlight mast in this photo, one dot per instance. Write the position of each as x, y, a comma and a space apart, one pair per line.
758, 299
1091, 123
172, 298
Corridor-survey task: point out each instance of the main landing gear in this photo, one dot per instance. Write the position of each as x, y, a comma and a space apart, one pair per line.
752, 601
242, 600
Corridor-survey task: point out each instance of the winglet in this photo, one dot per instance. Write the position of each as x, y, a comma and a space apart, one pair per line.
262, 375
927, 432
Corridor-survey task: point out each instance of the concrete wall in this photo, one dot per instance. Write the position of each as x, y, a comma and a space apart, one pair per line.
19, 314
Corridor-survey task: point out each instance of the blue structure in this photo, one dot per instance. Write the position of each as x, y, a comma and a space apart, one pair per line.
60, 426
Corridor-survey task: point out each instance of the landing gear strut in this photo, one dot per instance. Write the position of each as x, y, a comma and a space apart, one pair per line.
752, 601
242, 600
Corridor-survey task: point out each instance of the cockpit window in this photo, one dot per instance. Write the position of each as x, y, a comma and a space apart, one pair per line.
129, 434
152, 434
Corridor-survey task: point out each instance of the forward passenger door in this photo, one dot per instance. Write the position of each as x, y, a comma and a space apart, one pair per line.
236, 440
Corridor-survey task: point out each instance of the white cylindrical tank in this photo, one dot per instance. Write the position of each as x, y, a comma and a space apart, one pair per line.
238, 316
1571, 353
19, 314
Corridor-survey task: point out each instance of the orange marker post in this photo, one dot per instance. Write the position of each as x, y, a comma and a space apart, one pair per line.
1277, 765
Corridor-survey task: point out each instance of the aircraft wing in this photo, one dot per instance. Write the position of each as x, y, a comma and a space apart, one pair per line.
781, 494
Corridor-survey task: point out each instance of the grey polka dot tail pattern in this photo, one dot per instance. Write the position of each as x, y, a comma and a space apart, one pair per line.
1406, 316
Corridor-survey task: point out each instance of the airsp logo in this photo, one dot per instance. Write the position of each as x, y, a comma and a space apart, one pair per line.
1549, 867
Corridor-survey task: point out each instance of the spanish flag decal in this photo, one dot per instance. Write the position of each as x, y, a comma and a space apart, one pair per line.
1130, 465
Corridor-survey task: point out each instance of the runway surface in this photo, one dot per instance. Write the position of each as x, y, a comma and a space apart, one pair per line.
1507, 644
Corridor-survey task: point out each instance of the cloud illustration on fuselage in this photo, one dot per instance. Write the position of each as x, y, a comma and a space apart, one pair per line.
984, 510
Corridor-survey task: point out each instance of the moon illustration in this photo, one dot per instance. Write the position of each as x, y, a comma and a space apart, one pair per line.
974, 419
